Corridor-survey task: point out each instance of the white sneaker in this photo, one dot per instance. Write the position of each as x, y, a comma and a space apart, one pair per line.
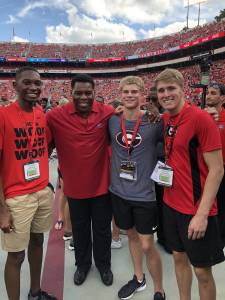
71, 245
116, 244
67, 236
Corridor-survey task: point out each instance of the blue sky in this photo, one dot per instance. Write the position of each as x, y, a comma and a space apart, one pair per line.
97, 21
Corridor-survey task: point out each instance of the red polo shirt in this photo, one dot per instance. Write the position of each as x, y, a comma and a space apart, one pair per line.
82, 147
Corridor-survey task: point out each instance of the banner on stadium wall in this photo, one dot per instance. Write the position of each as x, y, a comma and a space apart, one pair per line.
154, 53
73, 60
34, 59
108, 59
131, 57
173, 49
54, 60
22, 59
202, 40
44, 59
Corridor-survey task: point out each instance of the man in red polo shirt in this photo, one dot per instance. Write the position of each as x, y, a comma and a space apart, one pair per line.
80, 135
215, 98
191, 176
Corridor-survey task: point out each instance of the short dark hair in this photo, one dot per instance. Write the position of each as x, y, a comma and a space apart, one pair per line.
82, 78
24, 69
217, 86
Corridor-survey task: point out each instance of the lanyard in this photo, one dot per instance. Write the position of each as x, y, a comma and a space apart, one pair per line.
169, 146
30, 140
129, 146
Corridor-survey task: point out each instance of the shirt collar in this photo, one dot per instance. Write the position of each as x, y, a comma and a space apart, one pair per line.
72, 109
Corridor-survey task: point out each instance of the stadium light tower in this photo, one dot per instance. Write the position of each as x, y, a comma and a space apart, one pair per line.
199, 9
188, 3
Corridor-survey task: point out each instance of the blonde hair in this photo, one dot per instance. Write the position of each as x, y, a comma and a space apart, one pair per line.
132, 80
170, 75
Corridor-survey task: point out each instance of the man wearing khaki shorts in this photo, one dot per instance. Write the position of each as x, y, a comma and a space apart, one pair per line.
25, 198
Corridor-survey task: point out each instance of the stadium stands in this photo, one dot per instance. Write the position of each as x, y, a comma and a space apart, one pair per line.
55, 89
22, 50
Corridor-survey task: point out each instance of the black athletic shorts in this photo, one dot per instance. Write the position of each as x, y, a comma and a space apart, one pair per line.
202, 253
139, 214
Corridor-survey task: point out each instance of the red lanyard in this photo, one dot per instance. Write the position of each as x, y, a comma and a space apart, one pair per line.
129, 146
30, 140
169, 146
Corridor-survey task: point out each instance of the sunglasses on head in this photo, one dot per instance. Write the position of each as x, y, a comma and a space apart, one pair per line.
217, 86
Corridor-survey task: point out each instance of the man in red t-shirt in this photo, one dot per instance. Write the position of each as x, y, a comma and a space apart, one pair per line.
192, 176
80, 135
215, 98
25, 198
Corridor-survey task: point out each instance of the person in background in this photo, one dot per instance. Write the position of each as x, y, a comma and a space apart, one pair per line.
215, 98
153, 101
116, 239
63, 220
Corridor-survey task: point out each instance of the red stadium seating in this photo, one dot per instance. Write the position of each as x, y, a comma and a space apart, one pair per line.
76, 51
54, 89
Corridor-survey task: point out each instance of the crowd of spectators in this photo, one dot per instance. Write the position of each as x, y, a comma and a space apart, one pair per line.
107, 88
76, 51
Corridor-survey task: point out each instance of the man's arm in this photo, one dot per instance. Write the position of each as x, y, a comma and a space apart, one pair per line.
199, 222
6, 222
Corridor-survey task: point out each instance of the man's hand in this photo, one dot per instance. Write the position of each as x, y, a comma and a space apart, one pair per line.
213, 112
197, 227
153, 114
119, 109
6, 221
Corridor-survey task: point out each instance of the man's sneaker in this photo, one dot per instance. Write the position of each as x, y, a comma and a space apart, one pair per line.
71, 245
159, 296
116, 244
41, 295
133, 286
67, 236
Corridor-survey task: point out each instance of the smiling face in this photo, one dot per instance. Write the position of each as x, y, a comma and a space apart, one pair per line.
170, 96
83, 97
28, 86
131, 96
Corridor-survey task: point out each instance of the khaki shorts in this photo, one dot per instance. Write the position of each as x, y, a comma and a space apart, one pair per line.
31, 213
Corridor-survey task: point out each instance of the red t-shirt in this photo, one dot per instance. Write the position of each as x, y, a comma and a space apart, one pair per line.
221, 126
196, 134
82, 148
15, 126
